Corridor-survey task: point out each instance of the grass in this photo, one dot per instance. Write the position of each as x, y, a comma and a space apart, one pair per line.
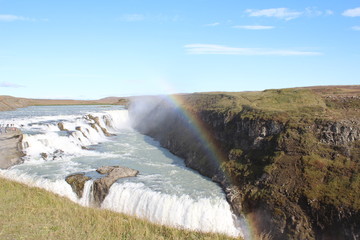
281, 104
32, 213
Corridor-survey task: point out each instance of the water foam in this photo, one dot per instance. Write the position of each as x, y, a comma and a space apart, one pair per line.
81, 132
207, 215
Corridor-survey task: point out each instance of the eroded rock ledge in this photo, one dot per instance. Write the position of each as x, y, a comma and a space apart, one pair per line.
10, 147
101, 186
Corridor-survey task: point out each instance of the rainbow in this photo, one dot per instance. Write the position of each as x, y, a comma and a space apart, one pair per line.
248, 225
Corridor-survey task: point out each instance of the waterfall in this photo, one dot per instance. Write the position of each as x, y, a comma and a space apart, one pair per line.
73, 137
204, 214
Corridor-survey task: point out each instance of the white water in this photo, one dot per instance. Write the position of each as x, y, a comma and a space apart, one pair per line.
164, 192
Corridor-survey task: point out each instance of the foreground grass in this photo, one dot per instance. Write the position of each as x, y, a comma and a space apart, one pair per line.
33, 213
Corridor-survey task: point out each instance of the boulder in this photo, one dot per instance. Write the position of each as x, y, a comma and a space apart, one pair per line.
102, 185
96, 121
77, 182
61, 127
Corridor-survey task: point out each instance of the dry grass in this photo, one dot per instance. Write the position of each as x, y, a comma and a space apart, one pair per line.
32, 213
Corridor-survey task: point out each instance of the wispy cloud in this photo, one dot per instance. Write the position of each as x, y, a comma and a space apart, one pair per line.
287, 14
10, 85
354, 12
12, 18
254, 27
212, 24
281, 13
314, 12
224, 50
133, 17
356, 28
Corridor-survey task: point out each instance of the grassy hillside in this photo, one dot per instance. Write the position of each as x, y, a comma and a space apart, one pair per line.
10, 103
32, 213
283, 104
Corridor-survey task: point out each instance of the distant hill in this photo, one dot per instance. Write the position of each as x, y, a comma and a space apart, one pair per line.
9, 103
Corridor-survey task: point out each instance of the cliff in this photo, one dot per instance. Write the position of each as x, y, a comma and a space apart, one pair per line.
10, 147
288, 159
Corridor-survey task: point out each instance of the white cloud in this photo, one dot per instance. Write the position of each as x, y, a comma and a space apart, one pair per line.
355, 12
224, 50
133, 17
281, 13
10, 85
212, 24
254, 27
314, 12
356, 28
12, 18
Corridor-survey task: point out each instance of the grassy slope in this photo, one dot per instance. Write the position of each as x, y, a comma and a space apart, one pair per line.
32, 213
283, 104
10, 103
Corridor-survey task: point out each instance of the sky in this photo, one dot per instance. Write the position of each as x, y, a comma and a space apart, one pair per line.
93, 49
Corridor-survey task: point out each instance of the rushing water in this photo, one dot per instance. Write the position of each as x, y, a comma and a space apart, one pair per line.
165, 191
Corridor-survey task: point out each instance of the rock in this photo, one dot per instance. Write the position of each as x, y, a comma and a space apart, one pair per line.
280, 169
58, 154
102, 185
44, 155
11, 148
61, 127
77, 182
96, 121
80, 130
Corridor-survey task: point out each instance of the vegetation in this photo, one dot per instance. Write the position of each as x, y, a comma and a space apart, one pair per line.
294, 153
32, 213
282, 104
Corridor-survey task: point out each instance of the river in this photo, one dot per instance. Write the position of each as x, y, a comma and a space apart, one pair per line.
164, 192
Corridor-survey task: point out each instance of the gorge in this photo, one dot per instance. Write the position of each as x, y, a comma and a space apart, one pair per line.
288, 159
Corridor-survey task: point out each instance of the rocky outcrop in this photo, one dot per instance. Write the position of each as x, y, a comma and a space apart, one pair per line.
295, 178
10, 147
61, 127
77, 183
95, 123
338, 133
101, 186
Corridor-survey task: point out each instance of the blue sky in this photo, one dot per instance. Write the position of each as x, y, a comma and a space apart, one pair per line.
93, 49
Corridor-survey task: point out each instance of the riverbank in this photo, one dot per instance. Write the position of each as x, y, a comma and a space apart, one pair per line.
10, 147
33, 213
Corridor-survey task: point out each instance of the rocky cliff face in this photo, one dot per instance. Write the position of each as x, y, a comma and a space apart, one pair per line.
10, 147
294, 178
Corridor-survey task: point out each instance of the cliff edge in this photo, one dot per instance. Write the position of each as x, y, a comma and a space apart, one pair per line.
10, 147
288, 159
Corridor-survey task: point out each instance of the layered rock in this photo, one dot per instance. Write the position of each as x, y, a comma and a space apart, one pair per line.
77, 182
101, 186
10, 147
295, 175
96, 124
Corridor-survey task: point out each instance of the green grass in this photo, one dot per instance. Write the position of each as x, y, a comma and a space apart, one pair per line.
32, 213
280, 104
